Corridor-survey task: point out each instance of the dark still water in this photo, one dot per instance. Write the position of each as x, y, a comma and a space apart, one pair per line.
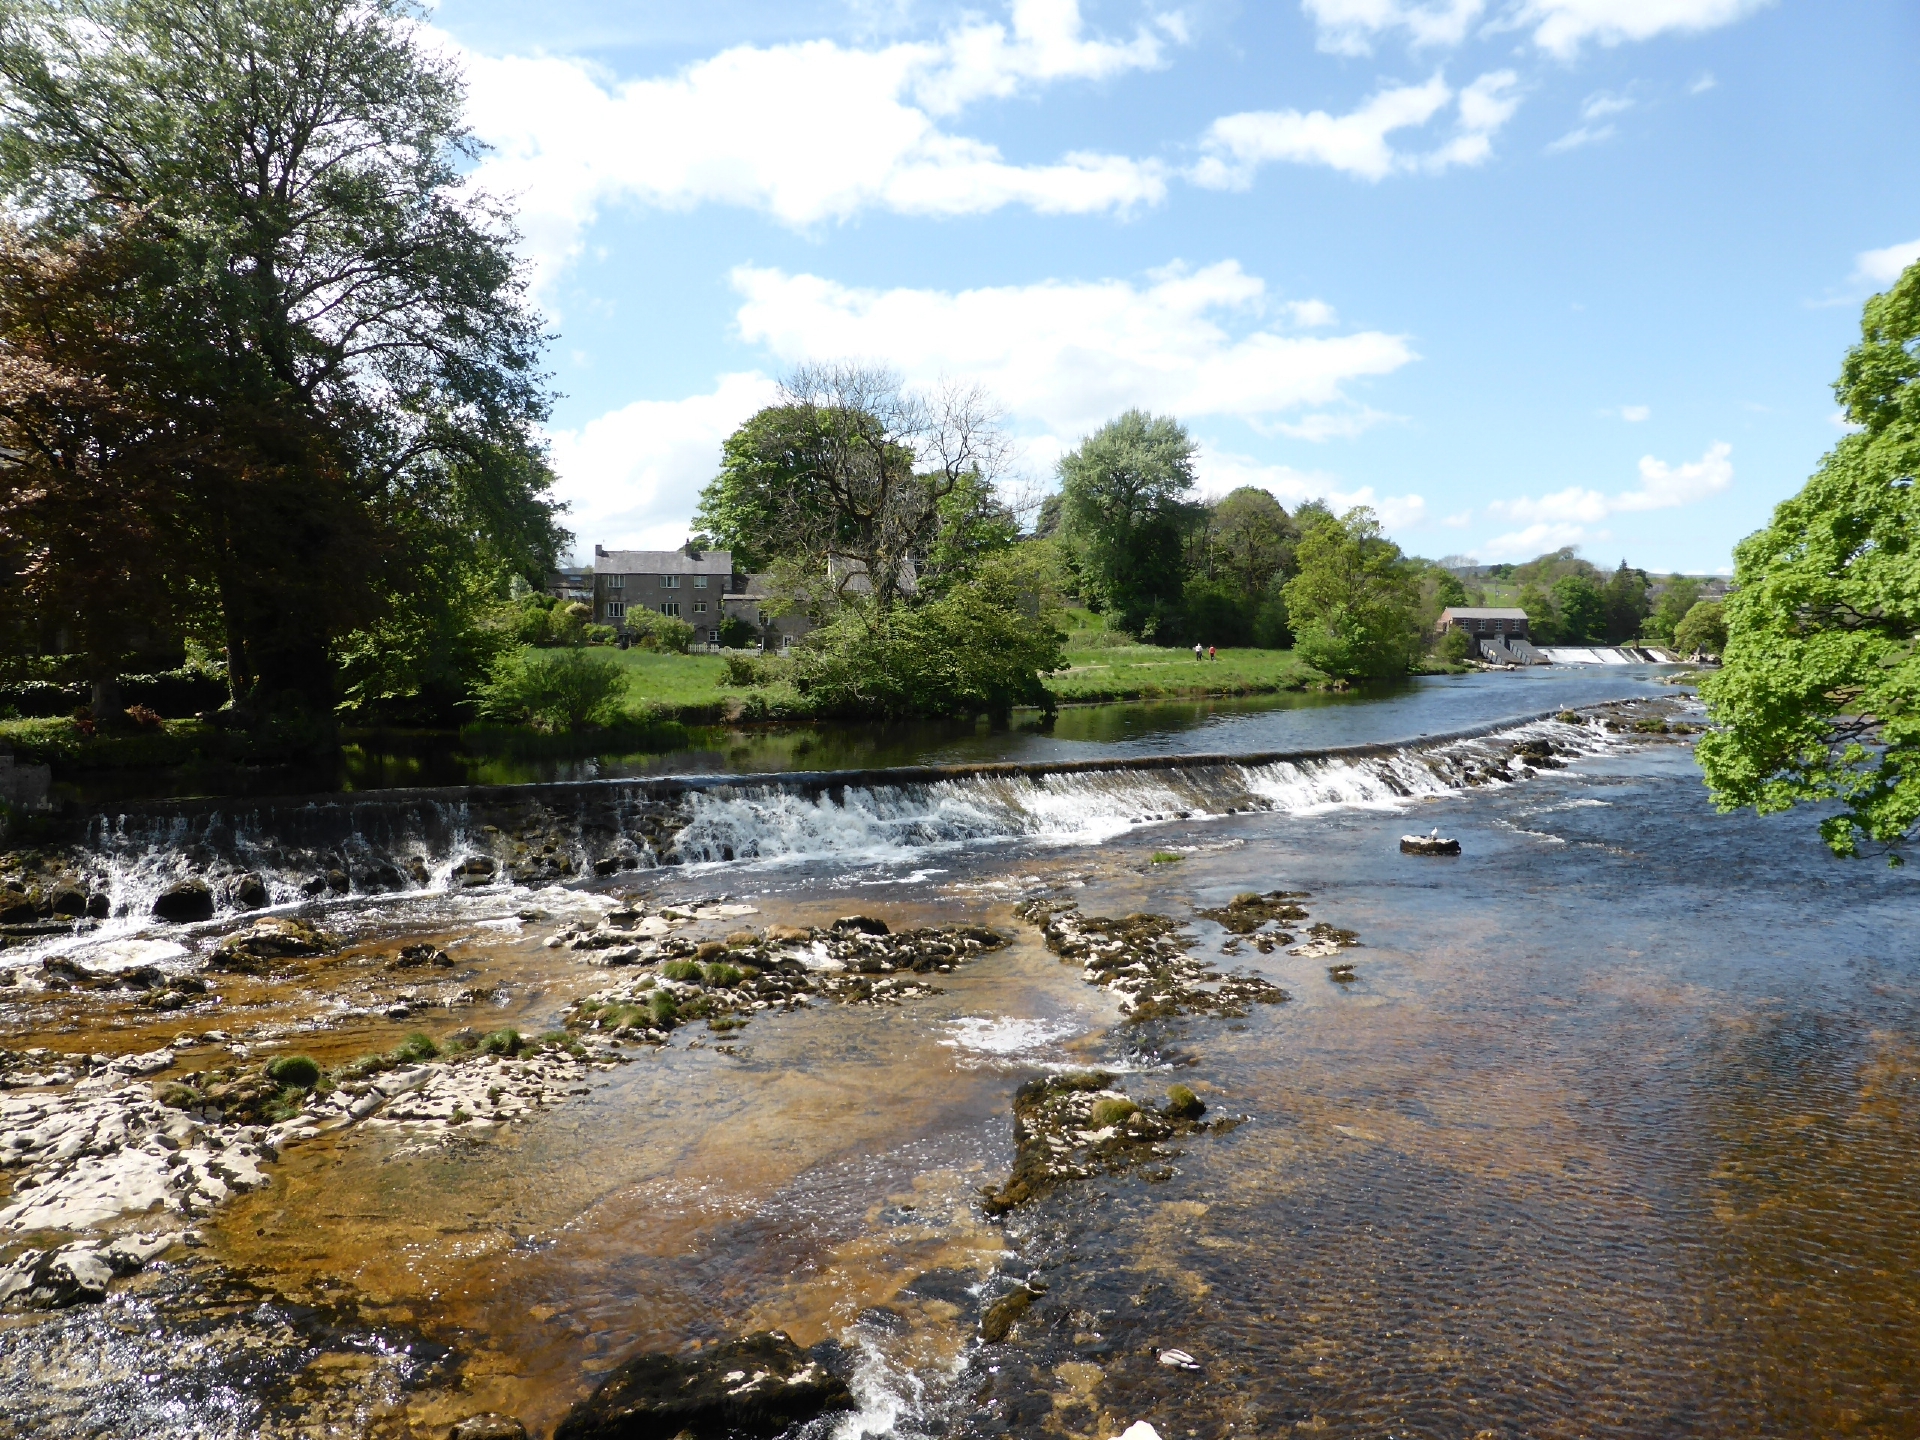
1611, 1133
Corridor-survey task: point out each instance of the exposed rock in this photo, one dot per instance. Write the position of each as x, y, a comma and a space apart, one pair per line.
272, 937
864, 924
245, 892
1434, 844
1057, 1134
999, 1320
753, 1388
413, 956
187, 901
69, 900
1141, 959
1324, 939
1246, 913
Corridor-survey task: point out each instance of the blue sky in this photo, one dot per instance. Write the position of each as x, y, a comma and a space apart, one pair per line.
1517, 273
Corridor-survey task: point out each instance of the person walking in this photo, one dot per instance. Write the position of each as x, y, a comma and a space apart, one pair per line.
1212, 654
1196, 650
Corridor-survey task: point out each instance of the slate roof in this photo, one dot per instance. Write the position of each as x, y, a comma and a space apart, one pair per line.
1469, 612
661, 562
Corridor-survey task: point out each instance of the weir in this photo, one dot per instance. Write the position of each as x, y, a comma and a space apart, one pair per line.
336, 847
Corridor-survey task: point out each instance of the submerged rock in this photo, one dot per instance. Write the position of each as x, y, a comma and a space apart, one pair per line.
1246, 913
1143, 961
753, 1388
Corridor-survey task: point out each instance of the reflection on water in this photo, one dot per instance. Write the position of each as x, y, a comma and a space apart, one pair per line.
1611, 1136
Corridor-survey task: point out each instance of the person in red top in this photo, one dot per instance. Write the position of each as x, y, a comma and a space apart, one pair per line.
1211, 655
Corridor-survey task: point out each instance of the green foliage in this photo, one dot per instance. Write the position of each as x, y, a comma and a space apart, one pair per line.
277, 260
1455, 646
686, 972
766, 501
501, 1042
738, 634
665, 633
1543, 616
299, 1072
415, 1049
1816, 700
1272, 625
721, 975
1247, 541
974, 524
1126, 513
1581, 607
1356, 601
1702, 630
1679, 596
973, 651
552, 689
1626, 604
1216, 612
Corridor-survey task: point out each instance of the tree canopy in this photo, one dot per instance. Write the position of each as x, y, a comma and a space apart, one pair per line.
1355, 605
1817, 698
1126, 510
264, 197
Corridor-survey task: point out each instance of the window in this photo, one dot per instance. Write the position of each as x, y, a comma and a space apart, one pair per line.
615, 610
786, 642
616, 582
670, 609
699, 582
669, 582
699, 607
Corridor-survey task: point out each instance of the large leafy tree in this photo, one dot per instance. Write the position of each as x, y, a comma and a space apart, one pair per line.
1126, 513
319, 298
860, 478
1355, 603
1819, 697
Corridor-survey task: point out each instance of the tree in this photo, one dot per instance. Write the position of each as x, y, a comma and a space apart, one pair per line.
1251, 538
1702, 630
1581, 607
317, 300
1543, 615
560, 689
1125, 515
1625, 604
1355, 604
1816, 700
848, 475
1677, 597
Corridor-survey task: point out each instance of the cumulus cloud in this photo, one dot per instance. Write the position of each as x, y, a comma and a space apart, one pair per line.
1560, 27
1348, 27
632, 476
807, 133
1883, 267
1221, 471
1564, 518
1065, 356
1236, 146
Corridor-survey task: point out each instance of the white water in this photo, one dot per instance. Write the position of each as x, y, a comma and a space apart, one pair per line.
766, 824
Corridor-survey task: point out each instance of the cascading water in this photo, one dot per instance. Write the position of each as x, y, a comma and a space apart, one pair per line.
346, 848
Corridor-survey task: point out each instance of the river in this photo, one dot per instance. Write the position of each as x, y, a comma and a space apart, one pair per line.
1607, 1131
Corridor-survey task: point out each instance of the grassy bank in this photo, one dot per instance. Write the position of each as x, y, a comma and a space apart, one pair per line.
1149, 672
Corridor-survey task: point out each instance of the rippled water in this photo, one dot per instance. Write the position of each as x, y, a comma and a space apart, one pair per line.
1612, 1136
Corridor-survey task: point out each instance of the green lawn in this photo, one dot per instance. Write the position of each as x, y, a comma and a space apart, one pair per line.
1150, 672
688, 688
676, 687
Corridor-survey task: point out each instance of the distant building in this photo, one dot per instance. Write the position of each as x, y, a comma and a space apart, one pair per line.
689, 584
570, 583
1482, 623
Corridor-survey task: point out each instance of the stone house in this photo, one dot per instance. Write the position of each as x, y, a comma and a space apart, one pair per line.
689, 584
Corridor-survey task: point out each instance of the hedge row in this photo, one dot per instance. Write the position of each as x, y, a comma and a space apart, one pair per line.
173, 693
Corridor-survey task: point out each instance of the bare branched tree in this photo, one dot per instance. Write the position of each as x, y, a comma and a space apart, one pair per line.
881, 457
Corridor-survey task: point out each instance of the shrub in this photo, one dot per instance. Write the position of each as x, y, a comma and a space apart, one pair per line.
143, 718
738, 634
666, 1011
415, 1049
567, 624
653, 631
1455, 645
1110, 1111
722, 975
299, 1071
685, 971
552, 689
501, 1042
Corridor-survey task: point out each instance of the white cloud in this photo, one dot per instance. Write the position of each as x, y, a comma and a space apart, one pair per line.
633, 475
1634, 414
1236, 146
807, 133
1593, 112
1066, 356
1883, 267
1310, 314
1221, 471
1561, 27
1704, 83
1563, 517
1347, 27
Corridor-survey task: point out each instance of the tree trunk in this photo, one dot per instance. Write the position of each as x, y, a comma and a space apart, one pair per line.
105, 701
